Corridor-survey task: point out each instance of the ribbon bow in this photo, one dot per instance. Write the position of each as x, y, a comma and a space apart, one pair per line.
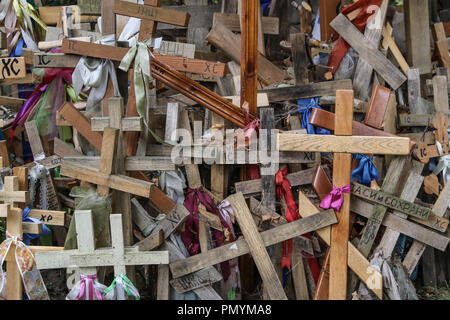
27, 237
366, 171
335, 198
90, 283
190, 236
31, 277
140, 54
304, 109
121, 284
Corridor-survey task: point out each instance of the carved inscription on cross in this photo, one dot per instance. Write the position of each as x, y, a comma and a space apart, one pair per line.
342, 144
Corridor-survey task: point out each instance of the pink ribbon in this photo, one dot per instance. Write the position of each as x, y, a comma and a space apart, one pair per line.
335, 198
90, 280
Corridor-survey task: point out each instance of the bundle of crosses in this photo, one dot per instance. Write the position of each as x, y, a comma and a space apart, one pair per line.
224, 150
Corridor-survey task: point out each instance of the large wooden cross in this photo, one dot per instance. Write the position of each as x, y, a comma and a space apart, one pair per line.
254, 243
87, 258
343, 144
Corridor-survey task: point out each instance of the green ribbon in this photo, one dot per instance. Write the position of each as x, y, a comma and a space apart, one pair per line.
127, 285
140, 54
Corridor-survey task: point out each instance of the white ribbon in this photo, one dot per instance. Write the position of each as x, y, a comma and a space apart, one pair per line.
92, 73
173, 182
31, 277
443, 164
118, 293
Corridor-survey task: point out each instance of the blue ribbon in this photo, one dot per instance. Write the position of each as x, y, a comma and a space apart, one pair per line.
28, 237
366, 171
265, 4
17, 52
304, 109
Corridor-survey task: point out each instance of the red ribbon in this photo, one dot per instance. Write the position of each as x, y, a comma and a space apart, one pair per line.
283, 189
341, 47
190, 236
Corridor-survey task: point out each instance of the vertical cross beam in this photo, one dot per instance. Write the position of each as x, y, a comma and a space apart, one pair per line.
85, 237
13, 278
341, 177
249, 23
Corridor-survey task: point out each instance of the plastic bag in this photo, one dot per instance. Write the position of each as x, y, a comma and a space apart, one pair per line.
88, 199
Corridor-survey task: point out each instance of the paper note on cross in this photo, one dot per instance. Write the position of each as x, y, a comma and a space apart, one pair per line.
88, 258
342, 144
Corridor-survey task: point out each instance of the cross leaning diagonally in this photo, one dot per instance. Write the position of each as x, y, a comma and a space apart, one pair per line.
342, 144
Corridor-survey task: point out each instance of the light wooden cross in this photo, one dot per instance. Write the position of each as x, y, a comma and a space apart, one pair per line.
425, 152
16, 227
11, 194
343, 144
87, 258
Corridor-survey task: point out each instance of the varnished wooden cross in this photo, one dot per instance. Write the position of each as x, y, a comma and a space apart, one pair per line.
343, 144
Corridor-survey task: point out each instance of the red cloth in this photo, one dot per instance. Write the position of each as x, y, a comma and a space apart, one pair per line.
284, 190
190, 236
341, 47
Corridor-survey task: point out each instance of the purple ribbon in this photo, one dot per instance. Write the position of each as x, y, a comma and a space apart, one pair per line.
335, 198
90, 280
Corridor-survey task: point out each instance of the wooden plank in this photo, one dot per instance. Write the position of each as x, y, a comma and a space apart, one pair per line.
368, 51
204, 67
300, 58
363, 72
356, 261
327, 13
388, 42
91, 7
13, 277
311, 90
399, 225
35, 140
81, 123
13, 68
179, 49
172, 221
299, 178
346, 144
126, 124
440, 94
241, 247
152, 13
417, 248
413, 184
230, 43
163, 289
55, 60
341, 177
376, 216
108, 18
391, 201
62, 149
417, 28
377, 107
196, 280
415, 120
270, 25
257, 248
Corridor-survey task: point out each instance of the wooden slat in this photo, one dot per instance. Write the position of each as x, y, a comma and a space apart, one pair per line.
368, 51
347, 144
152, 13
241, 247
257, 248
270, 25
13, 68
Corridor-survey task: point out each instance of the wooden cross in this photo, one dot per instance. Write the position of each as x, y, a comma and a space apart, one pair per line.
87, 258
11, 194
425, 152
16, 227
342, 144
254, 243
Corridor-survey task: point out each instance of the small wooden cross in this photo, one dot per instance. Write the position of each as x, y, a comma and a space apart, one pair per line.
11, 194
342, 144
425, 152
87, 258
16, 227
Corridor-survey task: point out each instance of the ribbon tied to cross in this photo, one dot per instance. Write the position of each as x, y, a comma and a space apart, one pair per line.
121, 284
32, 280
366, 171
305, 107
95, 289
335, 198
